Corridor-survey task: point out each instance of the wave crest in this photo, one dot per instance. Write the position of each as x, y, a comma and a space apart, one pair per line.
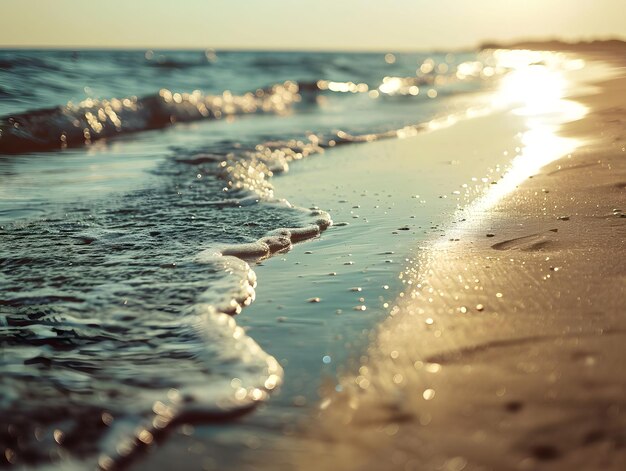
89, 120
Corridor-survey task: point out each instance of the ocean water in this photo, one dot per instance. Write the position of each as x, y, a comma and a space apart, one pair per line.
135, 198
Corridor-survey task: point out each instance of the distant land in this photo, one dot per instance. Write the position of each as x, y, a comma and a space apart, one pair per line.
556, 44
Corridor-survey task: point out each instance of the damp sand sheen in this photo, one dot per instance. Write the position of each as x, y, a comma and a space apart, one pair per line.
504, 349
397, 228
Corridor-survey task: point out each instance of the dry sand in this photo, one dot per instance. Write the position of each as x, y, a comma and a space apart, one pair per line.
506, 351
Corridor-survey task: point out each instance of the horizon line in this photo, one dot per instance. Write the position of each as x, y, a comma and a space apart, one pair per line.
230, 49
477, 46
482, 44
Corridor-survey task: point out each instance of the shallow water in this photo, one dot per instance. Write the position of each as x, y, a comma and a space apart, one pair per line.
116, 299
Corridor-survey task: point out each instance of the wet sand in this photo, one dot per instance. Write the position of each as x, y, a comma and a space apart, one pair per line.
506, 348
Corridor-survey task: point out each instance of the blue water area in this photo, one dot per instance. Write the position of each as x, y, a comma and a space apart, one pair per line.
122, 176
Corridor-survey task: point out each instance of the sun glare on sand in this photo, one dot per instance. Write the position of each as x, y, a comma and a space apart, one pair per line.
536, 87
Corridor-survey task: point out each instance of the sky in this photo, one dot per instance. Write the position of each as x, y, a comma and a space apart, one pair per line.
391, 25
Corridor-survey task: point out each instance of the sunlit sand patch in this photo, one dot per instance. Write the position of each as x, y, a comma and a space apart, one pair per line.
536, 88
451, 306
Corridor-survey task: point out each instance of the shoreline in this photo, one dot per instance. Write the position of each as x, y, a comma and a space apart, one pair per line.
282, 241
279, 328
465, 281
351, 267
505, 354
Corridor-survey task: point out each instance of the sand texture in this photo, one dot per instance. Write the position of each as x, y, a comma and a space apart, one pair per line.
507, 348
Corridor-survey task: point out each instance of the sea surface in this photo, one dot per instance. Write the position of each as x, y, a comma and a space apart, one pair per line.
135, 196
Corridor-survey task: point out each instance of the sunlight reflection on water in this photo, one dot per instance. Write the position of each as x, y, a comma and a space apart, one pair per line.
536, 87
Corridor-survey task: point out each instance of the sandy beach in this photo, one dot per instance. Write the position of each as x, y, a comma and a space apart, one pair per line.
505, 350
351, 236
464, 311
